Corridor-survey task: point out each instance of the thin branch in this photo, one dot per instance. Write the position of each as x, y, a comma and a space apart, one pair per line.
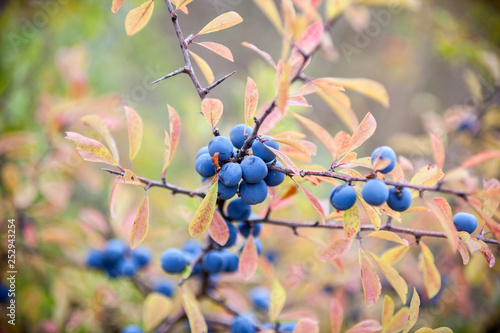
174, 73
219, 81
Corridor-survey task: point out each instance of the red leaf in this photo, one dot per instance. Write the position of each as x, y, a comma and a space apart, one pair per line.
141, 224
480, 158
248, 260
116, 5
112, 201
306, 325
369, 279
336, 315
364, 131
218, 229
335, 249
314, 202
219, 49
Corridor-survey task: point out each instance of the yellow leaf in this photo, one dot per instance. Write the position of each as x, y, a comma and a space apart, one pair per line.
90, 149
351, 222
212, 109
248, 259
134, 123
221, 22
166, 156
369, 279
218, 229
393, 277
182, 3
335, 249
129, 178
335, 7
141, 224
414, 310
175, 130
191, 306
116, 5
205, 68
278, 298
428, 175
138, 17
219, 49
322, 134
343, 111
394, 254
251, 99
398, 322
387, 311
366, 87
432, 278
425, 330
205, 212
388, 235
95, 122
269, 9
156, 308
371, 212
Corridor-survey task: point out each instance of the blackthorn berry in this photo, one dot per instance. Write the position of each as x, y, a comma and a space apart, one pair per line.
399, 202
260, 298
141, 255
260, 148
343, 197
132, 329
238, 210
95, 259
385, 153
253, 169
233, 234
225, 192
173, 261
242, 325
244, 228
274, 178
204, 166
213, 262
465, 222
230, 174
203, 150
165, 287
375, 192
222, 145
237, 134
253, 194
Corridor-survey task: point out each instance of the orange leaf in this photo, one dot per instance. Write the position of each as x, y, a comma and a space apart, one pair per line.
388, 235
364, 131
392, 276
388, 310
445, 220
203, 217
278, 298
444, 206
129, 178
95, 122
286, 161
366, 326
269, 9
219, 49
138, 17
90, 149
141, 224
336, 315
116, 5
182, 3
248, 260
480, 158
311, 37
351, 222
167, 156
295, 144
432, 278
218, 229
336, 102
486, 252
175, 130
284, 86
369, 279
251, 99
191, 306
314, 202
306, 325
413, 313
205, 68
366, 87
343, 143
335, 249
266, 56
134, 123
320, 133
221, 22
212, 109
437, 149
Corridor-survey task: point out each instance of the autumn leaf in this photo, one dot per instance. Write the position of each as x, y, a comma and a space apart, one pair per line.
314, 202
221, 22
432, 278
335, 249
248, 259
204, 214
286, 160
90, 149
366, 87
175, 130
251, 99
134, 124
480, 158
156, 308
351, 222
366, 326
336, 316
182, 3
369, 279
388, 235
372, 213
307, 325
141, 224
428, 175
138, 17
112, 197
95, 122
116, 5
166, 156
218, 229
266, 56
205, 68
392, 276
336, 102
129, 178
278, 298
446, 220
387, 310
413, 313
364, 131
322, 134
397, 322
191, 306
437, 149
394, 254
219, 49
269, 9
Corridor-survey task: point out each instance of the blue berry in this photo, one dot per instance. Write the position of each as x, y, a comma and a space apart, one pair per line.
288, 327
399, 202
343, 197
233, 234
204, 166
242, 325
221, 145
142, 255
203, 150
375, 192
232, 261
238, 210
165, 287
385, 153
4, 293
253, 169
230, 174
173, 261
274, 178
253, 194
244, 228
132, 329
95, 259
225, 192
192, 246
213, 262
465, 222
260, 298
237, 134
127, 267
114, 250
260, 150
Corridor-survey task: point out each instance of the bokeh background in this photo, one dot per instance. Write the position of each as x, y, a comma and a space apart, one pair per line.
60, 60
